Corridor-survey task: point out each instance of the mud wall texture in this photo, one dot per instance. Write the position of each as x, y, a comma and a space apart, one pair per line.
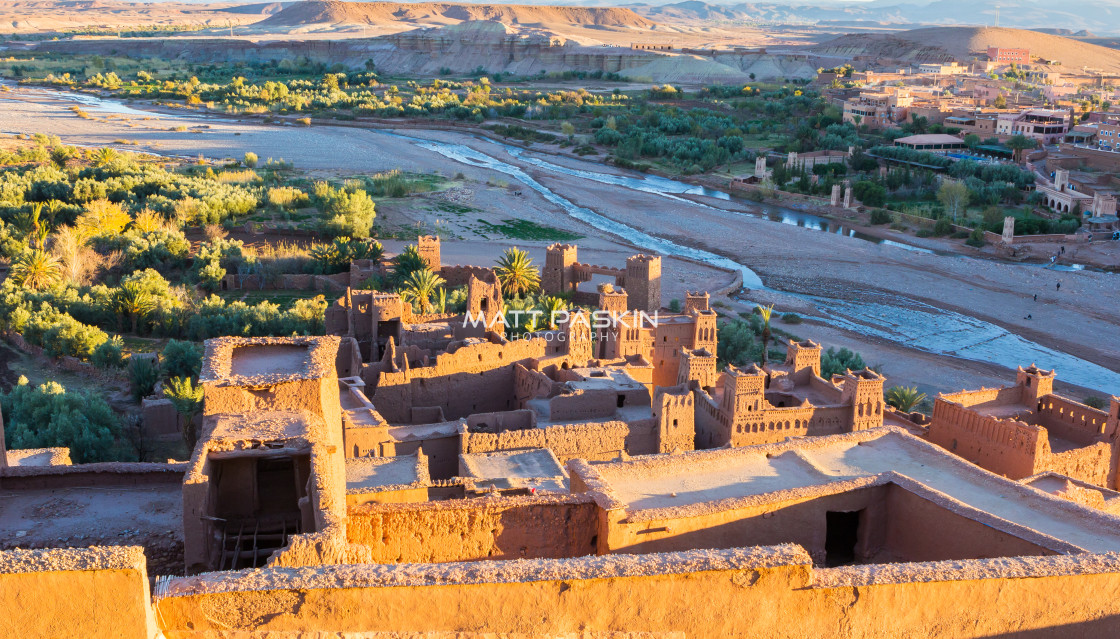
1006, 447
465, 530
89, 593
758, 592
595, 441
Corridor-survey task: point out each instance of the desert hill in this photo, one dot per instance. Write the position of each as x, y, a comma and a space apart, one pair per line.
309, 12
965, 43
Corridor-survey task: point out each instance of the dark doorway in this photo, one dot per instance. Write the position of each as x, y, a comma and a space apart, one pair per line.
841, 534
257, 506
385, 330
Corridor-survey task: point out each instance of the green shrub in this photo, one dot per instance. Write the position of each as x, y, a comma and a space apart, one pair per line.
48, 416
943, 227
250, 159
976, 238
879, 216
835, 362
210, 276
348, 212
791, 318
181, 359
109, 354
143, 375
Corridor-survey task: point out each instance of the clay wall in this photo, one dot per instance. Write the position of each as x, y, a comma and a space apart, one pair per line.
93, 593
799, 521
832, 394
474, 378
528, 384
598, 403
1071, 420
986, 396
911, 517
439, 443
1004, 447
674, 410
474, 529
1041, 596
459, 275
1090, 464
503, 421
776, 424
596, 441
90, 475
713, 427
894, 526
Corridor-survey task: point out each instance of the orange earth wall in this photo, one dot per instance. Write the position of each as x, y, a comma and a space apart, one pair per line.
75, 592
464, 530
760, 592
102, 592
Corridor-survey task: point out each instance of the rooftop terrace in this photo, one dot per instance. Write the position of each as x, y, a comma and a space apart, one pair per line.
720, 479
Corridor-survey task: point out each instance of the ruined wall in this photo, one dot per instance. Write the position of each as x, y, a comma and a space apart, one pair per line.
1004, 447
458, 275
472, 378
713, 427
93, 593
984, 396
1071, 420
674, 410
596, 441
1089, 464
528, 384
701, 594
473, 529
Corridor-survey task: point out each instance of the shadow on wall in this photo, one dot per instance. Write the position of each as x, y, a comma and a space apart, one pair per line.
1103, 627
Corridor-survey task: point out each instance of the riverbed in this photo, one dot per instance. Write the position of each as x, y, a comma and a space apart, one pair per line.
930, 306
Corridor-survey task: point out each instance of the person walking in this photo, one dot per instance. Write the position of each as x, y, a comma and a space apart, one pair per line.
1058, 286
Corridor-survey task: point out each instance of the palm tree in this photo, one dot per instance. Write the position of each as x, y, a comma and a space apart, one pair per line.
1018, 143
186, 397
406, 263
36, 269
765, 312
551, 306
134, 302
517, 273
419, 288
104, 156
904, 398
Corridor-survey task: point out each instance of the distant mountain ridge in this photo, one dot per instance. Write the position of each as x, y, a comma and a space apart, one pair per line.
1095, 16
309, 12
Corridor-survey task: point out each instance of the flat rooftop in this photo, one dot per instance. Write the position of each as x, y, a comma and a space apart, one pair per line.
529, 468
378, 474
263, 426
721, 479
264, 361
604, 378
37, 457
527, 463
